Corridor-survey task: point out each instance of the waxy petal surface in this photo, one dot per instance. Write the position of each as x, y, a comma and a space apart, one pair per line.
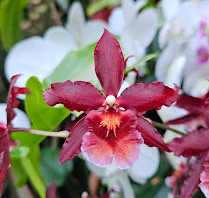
109, 64
51, 191
118, 148
194, 143
78, 95
183, 119
5, 163
193, 178
150, 135
72, 144
143, 97
190, 103
204, 177
206, 112
12, 101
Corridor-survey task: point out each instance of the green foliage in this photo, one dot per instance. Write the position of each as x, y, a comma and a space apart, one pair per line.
11, 16
77, 65
49, 163
43, 117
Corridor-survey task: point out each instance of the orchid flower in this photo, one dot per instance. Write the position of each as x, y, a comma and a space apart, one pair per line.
112, 123
144, 167
136, 30
194, 143
5, 141
39, 56
197, 111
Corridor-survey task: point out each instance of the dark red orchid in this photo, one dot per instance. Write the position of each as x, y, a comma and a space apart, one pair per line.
197, 111
112, 128
176, 179
5, 141
102, 15
194, 143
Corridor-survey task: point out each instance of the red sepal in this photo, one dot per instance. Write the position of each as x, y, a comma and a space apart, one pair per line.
72, 144
143, 97
51, 191
109, 64
5, 163
206, 112
190, 103
12, 101
150, 135
193, 177
194, 143
184, 119
79, 95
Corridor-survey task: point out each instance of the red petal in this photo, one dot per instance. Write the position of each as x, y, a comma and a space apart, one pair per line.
5, 163
206, 112
12, 101
150, 135
79, 96
204, 177
72, 144
184, 119
123, 149
51, 191
143, 97
109, 64
190, 103
194, 143
193, 178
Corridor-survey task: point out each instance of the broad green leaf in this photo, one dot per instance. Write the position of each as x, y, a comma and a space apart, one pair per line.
41, 115
11, 17
77, 65
19, 152
49, 163
34, 177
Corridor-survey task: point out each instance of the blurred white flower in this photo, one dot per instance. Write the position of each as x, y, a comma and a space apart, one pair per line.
20, 120
118, 180
184, 41
170, 113
135, 29
39, 56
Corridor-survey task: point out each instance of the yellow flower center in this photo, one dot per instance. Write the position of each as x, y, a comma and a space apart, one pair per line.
111, 120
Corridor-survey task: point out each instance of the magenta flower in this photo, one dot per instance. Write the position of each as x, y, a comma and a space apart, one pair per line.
5, 141
112, 129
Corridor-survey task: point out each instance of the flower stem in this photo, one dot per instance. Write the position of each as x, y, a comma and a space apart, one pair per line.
163, 126
62, 134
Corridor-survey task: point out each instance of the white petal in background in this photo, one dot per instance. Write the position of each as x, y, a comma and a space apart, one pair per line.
170, 8
146, 165
37, 56
21, 119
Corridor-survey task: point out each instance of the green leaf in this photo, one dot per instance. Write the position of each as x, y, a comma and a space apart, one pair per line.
41, 115
77, 65
11, 17
49, 163
34, 177
19, 152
